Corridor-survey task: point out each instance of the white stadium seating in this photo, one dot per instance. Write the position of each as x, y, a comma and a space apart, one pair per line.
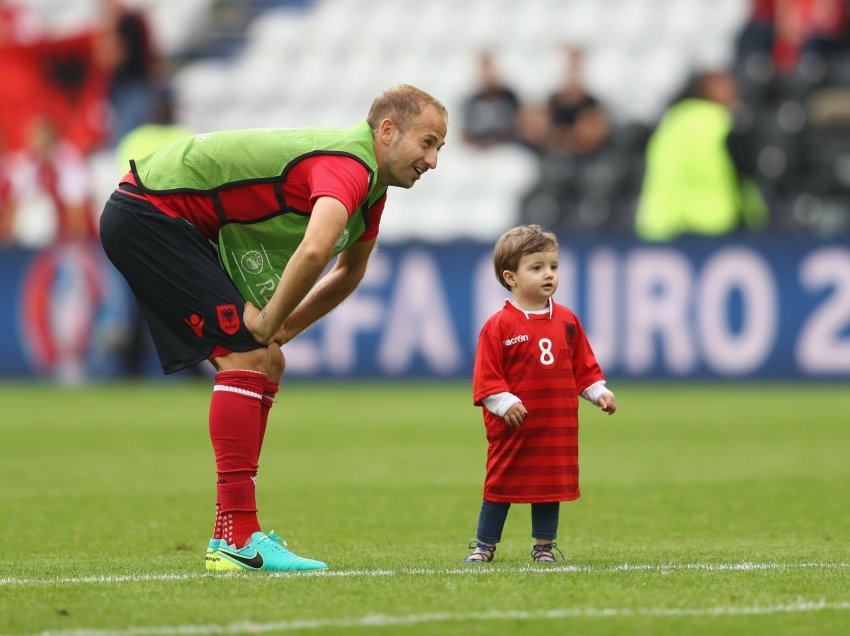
321, 64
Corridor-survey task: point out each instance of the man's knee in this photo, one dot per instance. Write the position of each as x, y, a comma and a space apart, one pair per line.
277, 363
254, 360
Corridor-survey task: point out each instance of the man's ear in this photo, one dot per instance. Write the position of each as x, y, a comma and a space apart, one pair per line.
386, 130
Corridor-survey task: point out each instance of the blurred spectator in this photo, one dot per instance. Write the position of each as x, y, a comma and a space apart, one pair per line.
784, 30
19, 24
758, 33
821, 202
7, 210
806, 26
51, 175
578, 124
55, 76
160, 130
589, 174
793, 66
491, 114
127, 51
692, 184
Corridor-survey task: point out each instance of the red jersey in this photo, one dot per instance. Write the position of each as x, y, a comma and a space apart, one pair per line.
546, 361
321, 175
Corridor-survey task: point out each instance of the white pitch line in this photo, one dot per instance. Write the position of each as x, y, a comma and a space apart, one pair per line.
384, 620
471, 570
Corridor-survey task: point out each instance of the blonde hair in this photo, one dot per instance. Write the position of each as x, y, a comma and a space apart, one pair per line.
516, 243
402, 104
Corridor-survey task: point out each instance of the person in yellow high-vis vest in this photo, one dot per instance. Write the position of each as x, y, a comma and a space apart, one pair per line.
691, 185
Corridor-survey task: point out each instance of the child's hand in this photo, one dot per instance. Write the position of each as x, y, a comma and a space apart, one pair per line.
515, 415
607, 402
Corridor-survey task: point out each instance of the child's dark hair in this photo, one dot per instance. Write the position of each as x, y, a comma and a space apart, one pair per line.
516, 243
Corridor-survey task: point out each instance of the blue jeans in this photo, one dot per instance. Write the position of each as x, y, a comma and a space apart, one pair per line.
491, 520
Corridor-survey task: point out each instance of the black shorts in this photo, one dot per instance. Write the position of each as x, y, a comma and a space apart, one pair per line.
193, 309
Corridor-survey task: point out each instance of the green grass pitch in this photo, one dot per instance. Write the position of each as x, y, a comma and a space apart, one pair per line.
704, 510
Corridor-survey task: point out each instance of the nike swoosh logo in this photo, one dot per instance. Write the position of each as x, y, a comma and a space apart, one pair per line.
255, 562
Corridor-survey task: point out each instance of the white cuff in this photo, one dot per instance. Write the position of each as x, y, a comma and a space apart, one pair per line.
499, 403
595, 391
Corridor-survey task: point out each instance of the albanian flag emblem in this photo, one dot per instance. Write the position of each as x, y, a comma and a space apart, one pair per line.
228, 319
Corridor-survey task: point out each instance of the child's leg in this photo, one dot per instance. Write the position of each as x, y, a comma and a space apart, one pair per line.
544, 529
544, 521
491, 521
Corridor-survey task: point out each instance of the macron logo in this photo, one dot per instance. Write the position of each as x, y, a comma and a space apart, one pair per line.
515, 340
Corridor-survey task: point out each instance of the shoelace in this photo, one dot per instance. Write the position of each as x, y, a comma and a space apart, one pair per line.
542, 550
483, 549
277, 542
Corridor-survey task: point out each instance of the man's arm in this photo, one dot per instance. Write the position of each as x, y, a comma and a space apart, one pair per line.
327, 222
331, 290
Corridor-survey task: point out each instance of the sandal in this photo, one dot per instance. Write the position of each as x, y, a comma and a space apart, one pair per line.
482, 553
545, 552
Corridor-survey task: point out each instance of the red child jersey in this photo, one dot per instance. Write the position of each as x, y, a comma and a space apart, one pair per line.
337, 176
546, 361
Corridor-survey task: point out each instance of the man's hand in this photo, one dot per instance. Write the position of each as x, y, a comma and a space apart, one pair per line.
280, 337
607, 402
251, 316
305, 267
515, 415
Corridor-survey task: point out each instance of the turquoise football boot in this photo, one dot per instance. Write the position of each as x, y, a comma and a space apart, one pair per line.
261, 553
212, 559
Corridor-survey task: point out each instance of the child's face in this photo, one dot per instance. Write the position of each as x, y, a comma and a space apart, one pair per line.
535, 280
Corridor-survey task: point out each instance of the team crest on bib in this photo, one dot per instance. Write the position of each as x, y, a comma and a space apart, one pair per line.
252, 261
342, 240
228, 318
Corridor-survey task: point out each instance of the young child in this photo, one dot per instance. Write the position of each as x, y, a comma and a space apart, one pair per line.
532, 363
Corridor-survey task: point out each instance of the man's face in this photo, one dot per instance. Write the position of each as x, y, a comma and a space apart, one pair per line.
410, 155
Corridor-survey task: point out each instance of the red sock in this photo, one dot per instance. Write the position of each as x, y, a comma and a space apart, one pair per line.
269, 391
234, 432
236, 514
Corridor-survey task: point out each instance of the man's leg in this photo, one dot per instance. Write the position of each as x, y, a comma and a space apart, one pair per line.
234, 422
236, 414
193, 308
277, 364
